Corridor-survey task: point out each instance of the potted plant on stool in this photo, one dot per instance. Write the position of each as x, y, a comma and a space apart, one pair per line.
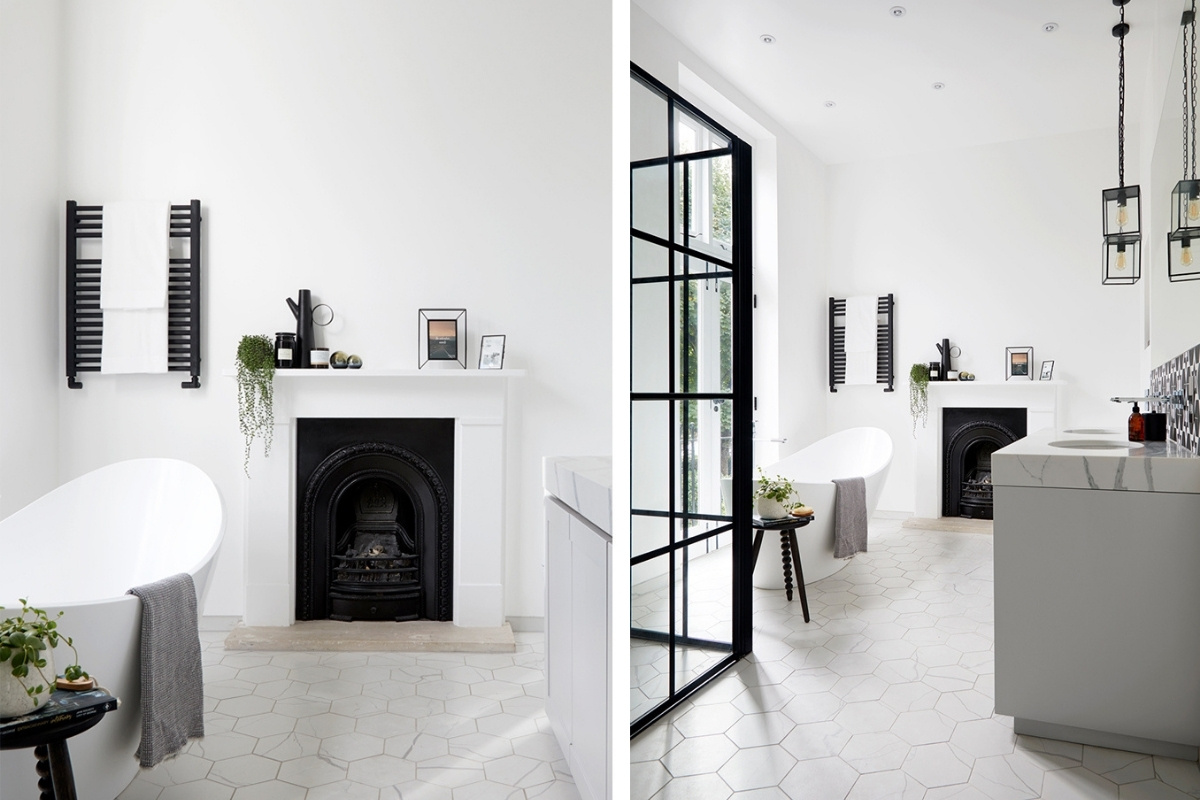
771, 496
27, 642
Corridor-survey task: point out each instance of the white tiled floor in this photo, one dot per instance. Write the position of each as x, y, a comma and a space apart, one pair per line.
709, 616
887, 693
368, 726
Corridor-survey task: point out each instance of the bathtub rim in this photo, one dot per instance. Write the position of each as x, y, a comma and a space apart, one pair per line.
195, 569
824, 441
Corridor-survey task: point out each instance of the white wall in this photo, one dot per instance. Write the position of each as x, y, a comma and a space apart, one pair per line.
29, 234
388, 156
789, 278
991, 246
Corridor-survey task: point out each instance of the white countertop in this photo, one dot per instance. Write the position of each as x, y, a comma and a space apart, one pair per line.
584, 483
1153, 467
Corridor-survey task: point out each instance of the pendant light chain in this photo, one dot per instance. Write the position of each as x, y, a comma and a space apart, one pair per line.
1188, 100
1121, 107
1191, 49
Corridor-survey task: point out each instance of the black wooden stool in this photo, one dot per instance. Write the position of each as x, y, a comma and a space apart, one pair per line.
791, 553
46, 730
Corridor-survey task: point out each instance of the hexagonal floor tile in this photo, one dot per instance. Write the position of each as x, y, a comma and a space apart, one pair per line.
351, 746
938, 765
829, 777
756, 767
244, 770
381, 770
309, 771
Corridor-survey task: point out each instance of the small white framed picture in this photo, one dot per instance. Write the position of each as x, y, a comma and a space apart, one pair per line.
491, 352
1047, 371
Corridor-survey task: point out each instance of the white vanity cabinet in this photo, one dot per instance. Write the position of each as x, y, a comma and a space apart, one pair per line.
1097, 592
578, 611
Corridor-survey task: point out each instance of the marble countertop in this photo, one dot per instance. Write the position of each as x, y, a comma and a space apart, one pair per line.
584, 483
1153, 467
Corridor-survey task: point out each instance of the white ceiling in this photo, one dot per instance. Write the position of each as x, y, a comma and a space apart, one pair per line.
1005, 78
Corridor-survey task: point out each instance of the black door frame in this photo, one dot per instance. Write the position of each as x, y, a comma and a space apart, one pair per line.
740, 267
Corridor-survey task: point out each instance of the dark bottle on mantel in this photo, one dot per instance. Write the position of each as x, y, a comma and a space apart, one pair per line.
285, 350
1137, 425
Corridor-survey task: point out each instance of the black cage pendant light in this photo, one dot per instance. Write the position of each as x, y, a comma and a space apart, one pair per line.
1183, 264
1122, 209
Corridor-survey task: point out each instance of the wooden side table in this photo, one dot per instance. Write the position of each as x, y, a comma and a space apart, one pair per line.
46, 730
791, 553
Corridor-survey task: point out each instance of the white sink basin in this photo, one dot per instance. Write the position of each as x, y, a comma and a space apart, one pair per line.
1095, 444
1094, 431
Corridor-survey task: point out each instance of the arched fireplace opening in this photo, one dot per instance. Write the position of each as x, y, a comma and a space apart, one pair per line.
374, 523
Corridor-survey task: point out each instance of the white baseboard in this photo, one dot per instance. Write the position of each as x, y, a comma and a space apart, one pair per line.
893, 514
527, 624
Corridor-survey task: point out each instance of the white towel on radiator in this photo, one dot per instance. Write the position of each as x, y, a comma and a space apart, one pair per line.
862, 328
135, 340
133, 286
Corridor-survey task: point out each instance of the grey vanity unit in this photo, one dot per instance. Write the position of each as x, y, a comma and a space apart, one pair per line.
1097, 570
578, 617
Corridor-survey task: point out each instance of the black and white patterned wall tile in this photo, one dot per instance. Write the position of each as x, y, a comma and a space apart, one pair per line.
1183, 424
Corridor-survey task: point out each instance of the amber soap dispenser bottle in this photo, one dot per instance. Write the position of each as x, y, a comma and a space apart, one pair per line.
1137, 425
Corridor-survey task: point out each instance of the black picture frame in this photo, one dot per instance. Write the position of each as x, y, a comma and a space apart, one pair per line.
442, 336
1018, 363
491, 351
1047, 373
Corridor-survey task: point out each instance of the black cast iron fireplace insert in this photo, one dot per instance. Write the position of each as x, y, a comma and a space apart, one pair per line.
374, 519
969, 437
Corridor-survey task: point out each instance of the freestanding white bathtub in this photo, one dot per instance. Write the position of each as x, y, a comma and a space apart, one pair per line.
78, 549
855, 452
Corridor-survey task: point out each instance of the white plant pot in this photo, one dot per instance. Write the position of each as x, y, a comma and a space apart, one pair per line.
771, 509
14, 700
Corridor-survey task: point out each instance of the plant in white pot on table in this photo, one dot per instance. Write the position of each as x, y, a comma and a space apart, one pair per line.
772, 496
27, 675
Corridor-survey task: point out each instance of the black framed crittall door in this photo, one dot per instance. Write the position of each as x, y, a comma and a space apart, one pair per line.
691, 397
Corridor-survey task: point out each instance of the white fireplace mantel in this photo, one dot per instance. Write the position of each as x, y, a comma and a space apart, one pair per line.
1040, 398
477, 402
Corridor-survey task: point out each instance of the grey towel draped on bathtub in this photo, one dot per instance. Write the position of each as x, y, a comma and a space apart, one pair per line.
849, 517
172, 675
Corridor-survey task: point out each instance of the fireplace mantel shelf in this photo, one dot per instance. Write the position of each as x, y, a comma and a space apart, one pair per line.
993, 384
359, 374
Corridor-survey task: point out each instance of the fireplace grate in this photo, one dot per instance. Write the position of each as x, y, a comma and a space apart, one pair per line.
376, 570
976, 498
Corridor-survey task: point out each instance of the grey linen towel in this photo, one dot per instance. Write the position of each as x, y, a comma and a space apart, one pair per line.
849, 517
172, 675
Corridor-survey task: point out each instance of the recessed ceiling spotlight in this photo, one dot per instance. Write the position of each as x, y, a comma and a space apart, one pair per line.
830, 104
898, 11
767, 38
939, 86
1050, 27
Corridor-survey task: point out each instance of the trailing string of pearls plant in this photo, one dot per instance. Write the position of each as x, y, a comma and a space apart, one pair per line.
255, 379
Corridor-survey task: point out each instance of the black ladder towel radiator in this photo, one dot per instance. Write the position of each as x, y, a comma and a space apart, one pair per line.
85, 319
885, 372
